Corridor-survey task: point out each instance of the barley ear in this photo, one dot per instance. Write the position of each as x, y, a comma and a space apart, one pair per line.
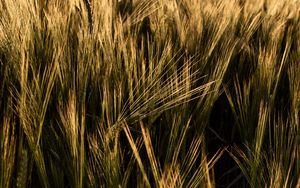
90, 13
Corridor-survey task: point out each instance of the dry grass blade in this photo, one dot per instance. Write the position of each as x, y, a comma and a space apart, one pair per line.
156, 170
136, 154
8, 147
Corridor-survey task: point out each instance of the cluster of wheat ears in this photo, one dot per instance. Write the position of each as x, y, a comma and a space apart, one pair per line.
149, 93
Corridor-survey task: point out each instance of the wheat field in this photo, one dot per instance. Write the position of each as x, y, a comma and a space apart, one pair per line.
150, 93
